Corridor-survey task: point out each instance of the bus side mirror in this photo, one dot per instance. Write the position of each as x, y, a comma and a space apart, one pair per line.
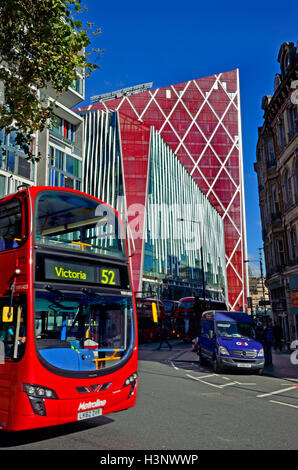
7, 314
154, 312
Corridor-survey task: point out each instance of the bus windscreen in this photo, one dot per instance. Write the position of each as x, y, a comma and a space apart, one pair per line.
71, 221
78, 332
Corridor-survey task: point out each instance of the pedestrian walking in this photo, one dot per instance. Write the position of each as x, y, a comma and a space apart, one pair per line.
164, 331
259, 332
277, 336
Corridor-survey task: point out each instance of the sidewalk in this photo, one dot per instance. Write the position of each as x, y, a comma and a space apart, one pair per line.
282, 366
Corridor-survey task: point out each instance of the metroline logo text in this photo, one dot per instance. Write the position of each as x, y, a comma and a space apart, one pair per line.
92, 404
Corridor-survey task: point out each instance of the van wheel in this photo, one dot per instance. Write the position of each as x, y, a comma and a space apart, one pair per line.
216, 366
259, 371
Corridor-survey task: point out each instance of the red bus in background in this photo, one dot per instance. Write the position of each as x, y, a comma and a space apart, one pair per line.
148, 330
188, 315
68, 331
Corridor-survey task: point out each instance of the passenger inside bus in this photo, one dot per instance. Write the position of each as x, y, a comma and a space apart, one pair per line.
10, 225
8, 244
8, 328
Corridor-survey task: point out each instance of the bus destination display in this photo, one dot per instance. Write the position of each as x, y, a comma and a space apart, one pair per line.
76, 272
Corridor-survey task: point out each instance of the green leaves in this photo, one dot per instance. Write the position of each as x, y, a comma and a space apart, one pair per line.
41, 43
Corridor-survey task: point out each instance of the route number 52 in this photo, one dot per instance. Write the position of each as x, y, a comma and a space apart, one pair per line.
108, 277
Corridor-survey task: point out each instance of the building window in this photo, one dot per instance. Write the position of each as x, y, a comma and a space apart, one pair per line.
24, 167
275, 200
292, 122
293, 244
287, 191
65, 170
280, 252
62, 129
270, 155
77, 85
2, 185
13, 159
281, 138
10, 225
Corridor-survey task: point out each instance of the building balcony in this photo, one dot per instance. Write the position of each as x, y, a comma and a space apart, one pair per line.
74, 150
70, 98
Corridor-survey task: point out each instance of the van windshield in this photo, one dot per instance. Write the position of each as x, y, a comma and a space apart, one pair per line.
227, 329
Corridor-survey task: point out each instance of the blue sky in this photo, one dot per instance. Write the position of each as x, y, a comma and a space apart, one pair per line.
169, 42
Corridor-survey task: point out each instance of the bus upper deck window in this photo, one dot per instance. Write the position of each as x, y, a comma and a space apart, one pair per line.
10, 225
80, 223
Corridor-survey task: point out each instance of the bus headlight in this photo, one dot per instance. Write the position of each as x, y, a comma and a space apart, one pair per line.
38, 391
36, 395
132, 381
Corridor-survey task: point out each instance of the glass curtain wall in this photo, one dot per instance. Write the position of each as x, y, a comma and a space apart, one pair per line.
103, 176
181, 220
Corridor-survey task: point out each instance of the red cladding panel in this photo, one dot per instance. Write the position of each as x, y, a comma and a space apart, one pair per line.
135, 139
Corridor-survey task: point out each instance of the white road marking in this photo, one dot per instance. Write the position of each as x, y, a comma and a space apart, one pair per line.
199, 379
227, 385
275, 393
203, 381
244, 383
285, 404
205, 376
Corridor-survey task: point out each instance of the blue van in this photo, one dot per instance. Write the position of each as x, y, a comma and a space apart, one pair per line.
228, 340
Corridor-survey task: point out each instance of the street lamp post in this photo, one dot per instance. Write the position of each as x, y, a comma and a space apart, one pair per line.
201, 252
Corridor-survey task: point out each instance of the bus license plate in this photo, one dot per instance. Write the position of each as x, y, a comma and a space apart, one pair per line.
89, 414
243, 365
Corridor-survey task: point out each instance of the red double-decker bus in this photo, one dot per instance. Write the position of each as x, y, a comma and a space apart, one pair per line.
188, 315
68, 334
148, 328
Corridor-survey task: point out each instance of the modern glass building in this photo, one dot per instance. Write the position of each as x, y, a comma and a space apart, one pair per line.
200, 120
15, 169
60, 146
177, 234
